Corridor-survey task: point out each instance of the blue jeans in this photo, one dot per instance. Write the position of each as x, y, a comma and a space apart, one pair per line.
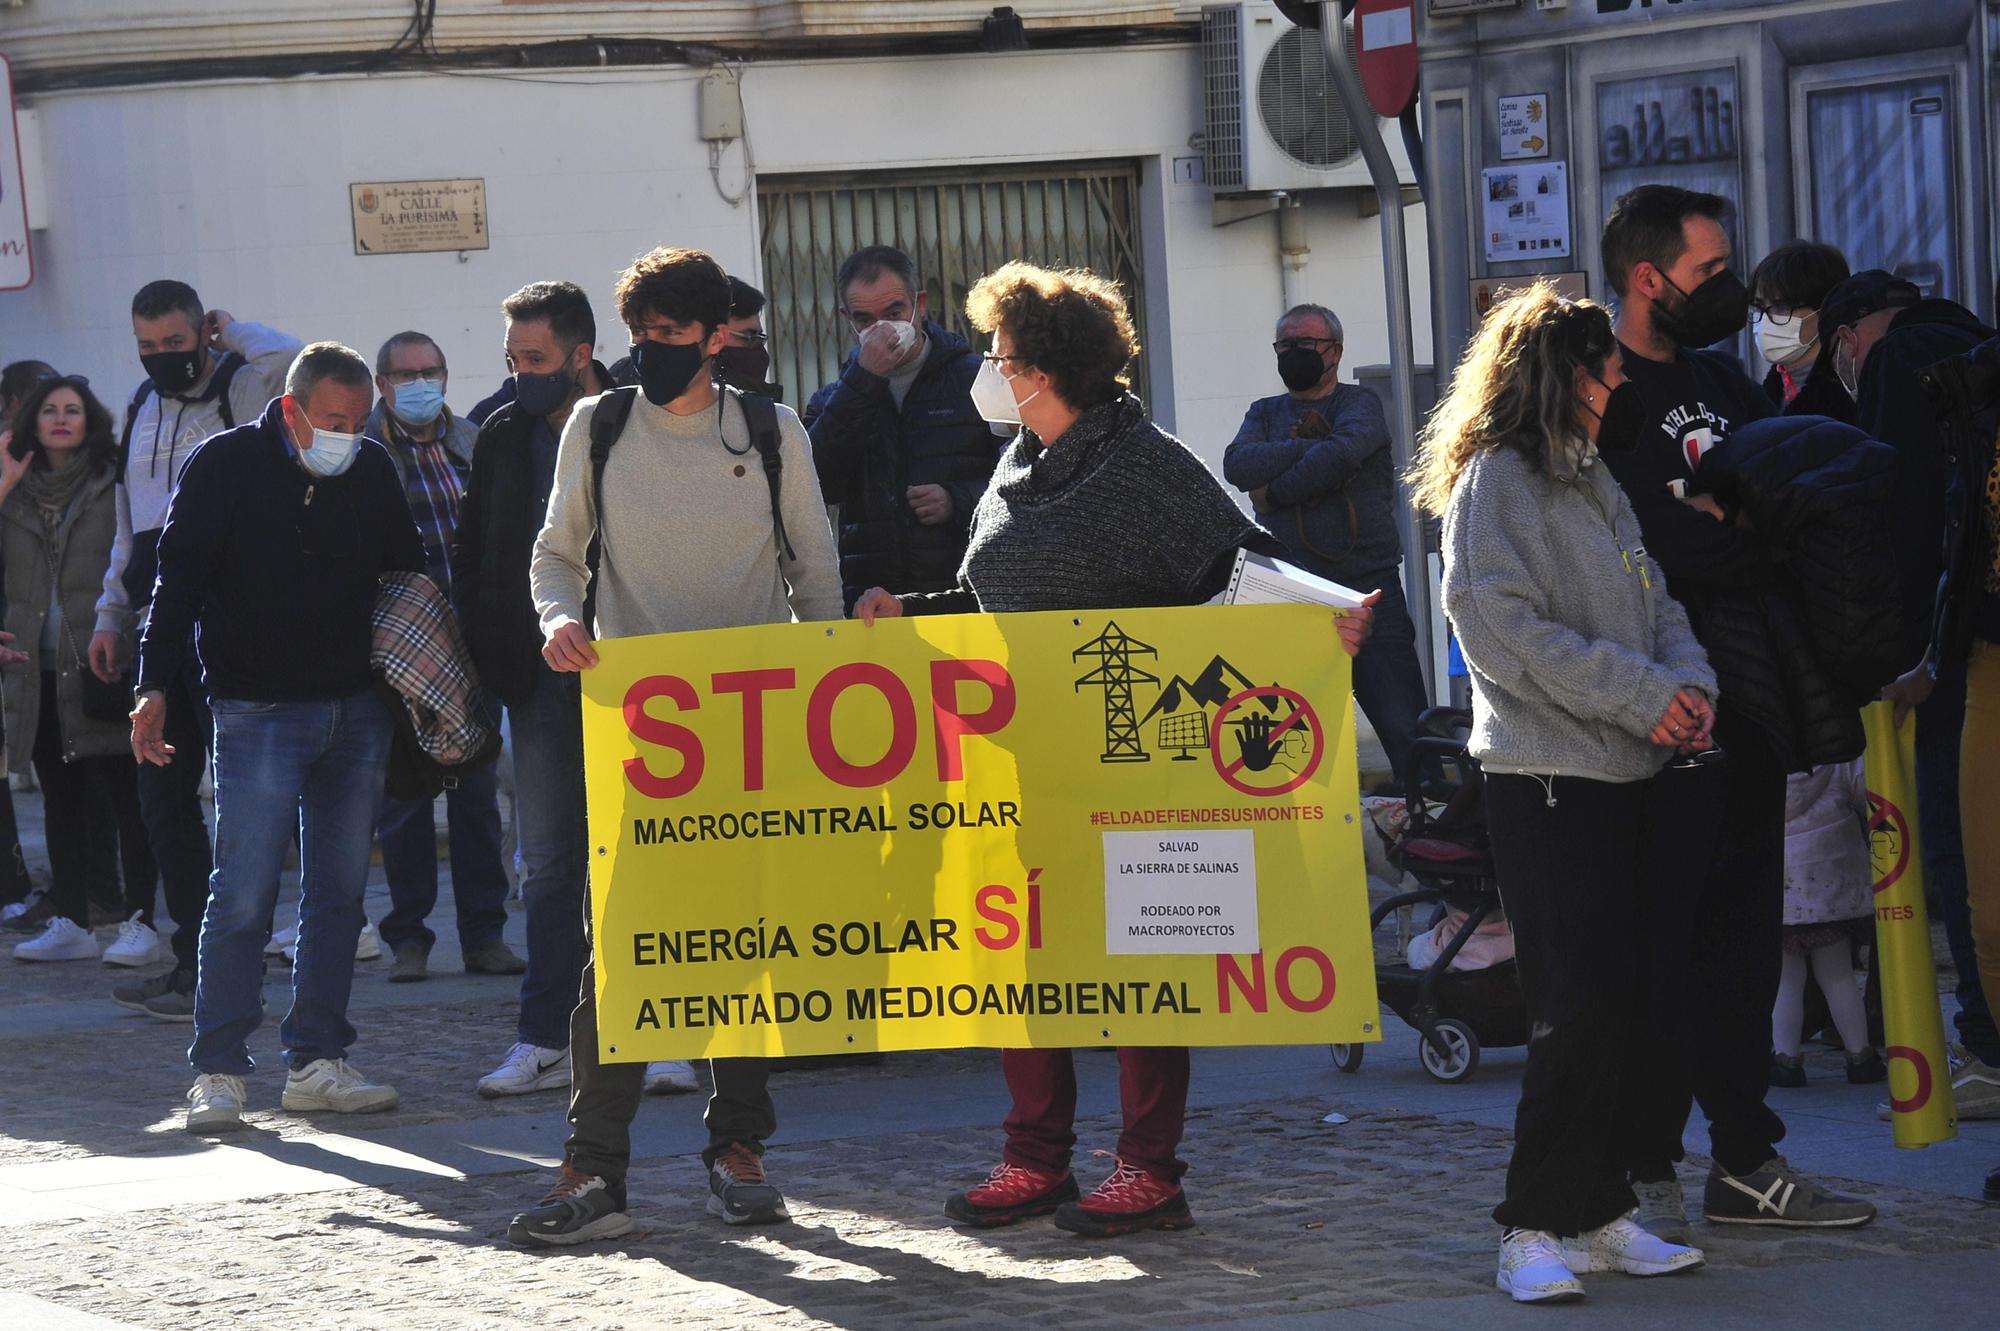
1388, 682
409, 860
1940, 721
316, 767
547, 731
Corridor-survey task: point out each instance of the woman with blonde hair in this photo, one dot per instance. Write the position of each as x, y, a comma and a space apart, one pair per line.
1091, 507
1586, 681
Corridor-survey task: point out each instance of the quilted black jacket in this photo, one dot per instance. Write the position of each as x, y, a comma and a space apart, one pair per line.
1966, 390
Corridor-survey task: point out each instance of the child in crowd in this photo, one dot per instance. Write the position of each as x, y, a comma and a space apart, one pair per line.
1829, 883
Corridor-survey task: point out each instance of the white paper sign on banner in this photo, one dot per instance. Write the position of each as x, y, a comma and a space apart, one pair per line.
1179, 892
17, 260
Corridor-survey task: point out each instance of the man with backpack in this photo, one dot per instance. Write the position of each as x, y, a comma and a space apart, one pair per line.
706, 513
551, 338
206, 372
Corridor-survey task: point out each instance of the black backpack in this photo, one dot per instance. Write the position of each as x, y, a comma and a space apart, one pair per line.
216, 392
607, 422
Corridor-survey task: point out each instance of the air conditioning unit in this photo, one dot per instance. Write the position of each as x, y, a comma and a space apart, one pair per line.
1274, 120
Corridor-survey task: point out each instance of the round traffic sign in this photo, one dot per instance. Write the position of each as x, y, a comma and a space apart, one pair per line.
1385, 43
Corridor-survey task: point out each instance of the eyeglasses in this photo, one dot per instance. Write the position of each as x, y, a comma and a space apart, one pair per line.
1778, 314
1319, 344
753, 339
404, 378
997, 359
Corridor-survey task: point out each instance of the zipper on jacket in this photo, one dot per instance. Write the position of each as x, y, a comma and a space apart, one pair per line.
1645, 578
309, 497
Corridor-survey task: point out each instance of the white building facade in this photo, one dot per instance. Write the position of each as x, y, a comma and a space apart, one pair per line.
156, 145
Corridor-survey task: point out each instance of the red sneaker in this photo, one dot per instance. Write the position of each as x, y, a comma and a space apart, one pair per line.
1129, 1201
1011, 1193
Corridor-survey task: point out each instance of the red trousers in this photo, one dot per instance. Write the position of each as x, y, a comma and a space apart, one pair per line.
1152, 1089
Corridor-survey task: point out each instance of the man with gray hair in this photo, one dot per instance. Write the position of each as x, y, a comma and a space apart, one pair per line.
275, 541
432, 453
1317, 465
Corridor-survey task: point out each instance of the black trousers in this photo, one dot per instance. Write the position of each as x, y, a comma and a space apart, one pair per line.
604, 1099
1589, 871
170, 803
91, 825
1734, 950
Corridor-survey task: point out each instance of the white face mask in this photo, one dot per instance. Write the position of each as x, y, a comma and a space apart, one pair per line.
906, 335
331, 453
1844, 370
993, 395
1779, 344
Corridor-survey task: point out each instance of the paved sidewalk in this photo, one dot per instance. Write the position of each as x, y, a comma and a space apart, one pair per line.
113, 1217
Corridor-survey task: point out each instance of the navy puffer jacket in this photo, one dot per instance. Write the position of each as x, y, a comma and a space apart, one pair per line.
1804, 650
869, 454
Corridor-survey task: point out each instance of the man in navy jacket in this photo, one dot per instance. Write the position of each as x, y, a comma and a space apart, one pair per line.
274, 545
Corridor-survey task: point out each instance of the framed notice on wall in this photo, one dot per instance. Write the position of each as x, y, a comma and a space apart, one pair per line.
1527, 212
17, 260
418, 216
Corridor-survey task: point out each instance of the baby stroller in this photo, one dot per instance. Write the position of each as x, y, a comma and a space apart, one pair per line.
1456, 1013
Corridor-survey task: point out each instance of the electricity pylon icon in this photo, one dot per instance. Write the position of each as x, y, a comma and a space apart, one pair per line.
1115, 674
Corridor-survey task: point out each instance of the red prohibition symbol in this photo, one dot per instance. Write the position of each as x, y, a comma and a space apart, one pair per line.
1922, 1067
1301, 714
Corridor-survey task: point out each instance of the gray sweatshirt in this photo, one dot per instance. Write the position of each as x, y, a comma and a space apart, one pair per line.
1574, 646
688, 539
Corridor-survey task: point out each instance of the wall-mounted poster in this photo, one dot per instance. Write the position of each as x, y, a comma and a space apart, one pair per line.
1527, 212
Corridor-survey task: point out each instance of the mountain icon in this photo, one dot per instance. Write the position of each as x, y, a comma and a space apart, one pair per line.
1218, 682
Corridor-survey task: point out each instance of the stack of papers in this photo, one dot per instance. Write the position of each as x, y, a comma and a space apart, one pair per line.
1262, 580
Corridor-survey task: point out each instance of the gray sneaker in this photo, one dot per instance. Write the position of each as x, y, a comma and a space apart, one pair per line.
174, 1001
737, 1191
1663, 1211
1975, 1086
492, 957
134, 995
412, 963
579, 1208
1777, 1194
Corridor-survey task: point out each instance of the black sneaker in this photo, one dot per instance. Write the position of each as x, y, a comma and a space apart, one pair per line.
32, 920
133, 997
578, 1208
738, 1193
1777, 1194
1866, 1067
1789, 1073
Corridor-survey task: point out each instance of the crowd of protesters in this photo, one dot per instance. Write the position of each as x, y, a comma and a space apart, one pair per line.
238, 578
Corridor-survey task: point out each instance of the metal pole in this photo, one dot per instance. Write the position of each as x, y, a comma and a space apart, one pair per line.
1396, 282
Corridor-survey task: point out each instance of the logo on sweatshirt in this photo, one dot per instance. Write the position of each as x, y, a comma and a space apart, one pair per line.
1695, 430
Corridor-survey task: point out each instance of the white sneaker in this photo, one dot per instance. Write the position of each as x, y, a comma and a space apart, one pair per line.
135, 945
13, 910
1532, 1268
367, 945
671, 1077
1623, 1246
282, 942
334, 1084
527, 1067
60, 940
215, 1101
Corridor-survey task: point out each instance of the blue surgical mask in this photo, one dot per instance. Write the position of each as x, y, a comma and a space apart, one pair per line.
417, 403
331, 453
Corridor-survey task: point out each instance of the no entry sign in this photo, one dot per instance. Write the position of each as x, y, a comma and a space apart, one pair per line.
1385, 34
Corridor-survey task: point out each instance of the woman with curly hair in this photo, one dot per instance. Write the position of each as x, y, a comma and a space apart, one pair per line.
57, 472
1586, 681
1091, 507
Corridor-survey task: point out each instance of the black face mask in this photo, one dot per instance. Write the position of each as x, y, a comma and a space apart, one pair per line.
543, 394
173, 371
1716, 309
745, 367
665, 370
1300, 368
1622, 421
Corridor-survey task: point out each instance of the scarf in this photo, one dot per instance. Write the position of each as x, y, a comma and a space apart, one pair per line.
53, 490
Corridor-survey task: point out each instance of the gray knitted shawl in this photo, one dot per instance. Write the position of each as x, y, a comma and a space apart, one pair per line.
1115, 513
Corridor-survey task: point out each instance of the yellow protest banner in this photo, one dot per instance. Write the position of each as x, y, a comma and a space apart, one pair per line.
1137, 827
1919, 1077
